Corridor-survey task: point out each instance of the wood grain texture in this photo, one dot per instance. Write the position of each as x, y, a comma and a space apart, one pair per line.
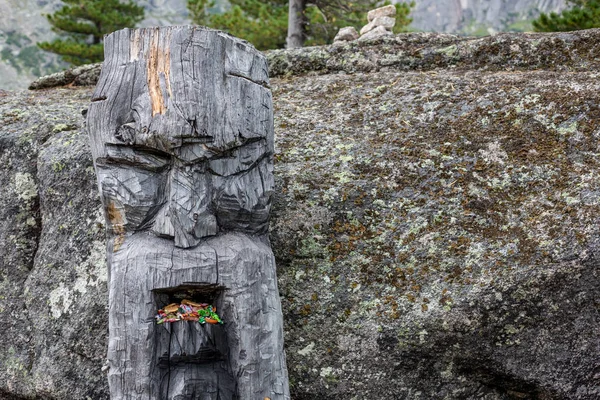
181, 132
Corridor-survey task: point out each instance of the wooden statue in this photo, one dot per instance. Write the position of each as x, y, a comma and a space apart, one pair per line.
181, 128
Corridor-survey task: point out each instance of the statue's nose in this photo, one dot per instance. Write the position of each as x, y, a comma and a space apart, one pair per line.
187, 216
162, 223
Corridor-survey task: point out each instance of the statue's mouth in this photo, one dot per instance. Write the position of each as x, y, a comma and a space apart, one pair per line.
205, 355
191, 322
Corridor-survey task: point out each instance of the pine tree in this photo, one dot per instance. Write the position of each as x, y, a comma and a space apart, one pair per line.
262, 23
200, 11
82, 24
265, 23
584, 14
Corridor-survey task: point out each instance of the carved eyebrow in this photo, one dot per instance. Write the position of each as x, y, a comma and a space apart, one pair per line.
245, 157
141, 157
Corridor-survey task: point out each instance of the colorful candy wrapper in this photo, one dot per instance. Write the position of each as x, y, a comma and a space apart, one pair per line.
188, 310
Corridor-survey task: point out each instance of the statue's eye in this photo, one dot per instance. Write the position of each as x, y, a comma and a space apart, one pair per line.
140, 157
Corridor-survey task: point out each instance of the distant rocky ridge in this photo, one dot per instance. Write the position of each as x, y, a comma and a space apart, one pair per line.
476, 17
22, 25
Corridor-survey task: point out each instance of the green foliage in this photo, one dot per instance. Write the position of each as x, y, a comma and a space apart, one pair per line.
82, 25
585, 14
403, 19
264, 23
200, 11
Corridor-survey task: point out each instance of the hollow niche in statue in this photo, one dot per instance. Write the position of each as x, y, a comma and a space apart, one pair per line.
181, 131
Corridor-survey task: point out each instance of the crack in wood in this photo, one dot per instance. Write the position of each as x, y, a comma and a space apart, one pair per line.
241, 76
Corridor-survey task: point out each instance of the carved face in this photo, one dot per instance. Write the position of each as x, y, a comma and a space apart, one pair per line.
183, 154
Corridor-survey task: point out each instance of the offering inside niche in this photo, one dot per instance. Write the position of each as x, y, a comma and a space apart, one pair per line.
188, 310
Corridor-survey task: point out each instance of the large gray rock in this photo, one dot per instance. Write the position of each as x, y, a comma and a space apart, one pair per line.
385, 11
386, 23
346, 34
375, 33
52, 263
85, 75
434, 224
430, 51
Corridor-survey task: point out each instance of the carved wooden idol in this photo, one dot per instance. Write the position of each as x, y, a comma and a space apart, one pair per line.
181, 132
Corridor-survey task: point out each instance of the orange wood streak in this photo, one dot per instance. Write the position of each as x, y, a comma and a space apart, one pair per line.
117, 224
158, 63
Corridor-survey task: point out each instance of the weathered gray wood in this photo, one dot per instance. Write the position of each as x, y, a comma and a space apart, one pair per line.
181, 133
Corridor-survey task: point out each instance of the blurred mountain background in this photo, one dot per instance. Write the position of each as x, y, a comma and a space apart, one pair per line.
23, 24
480, 17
